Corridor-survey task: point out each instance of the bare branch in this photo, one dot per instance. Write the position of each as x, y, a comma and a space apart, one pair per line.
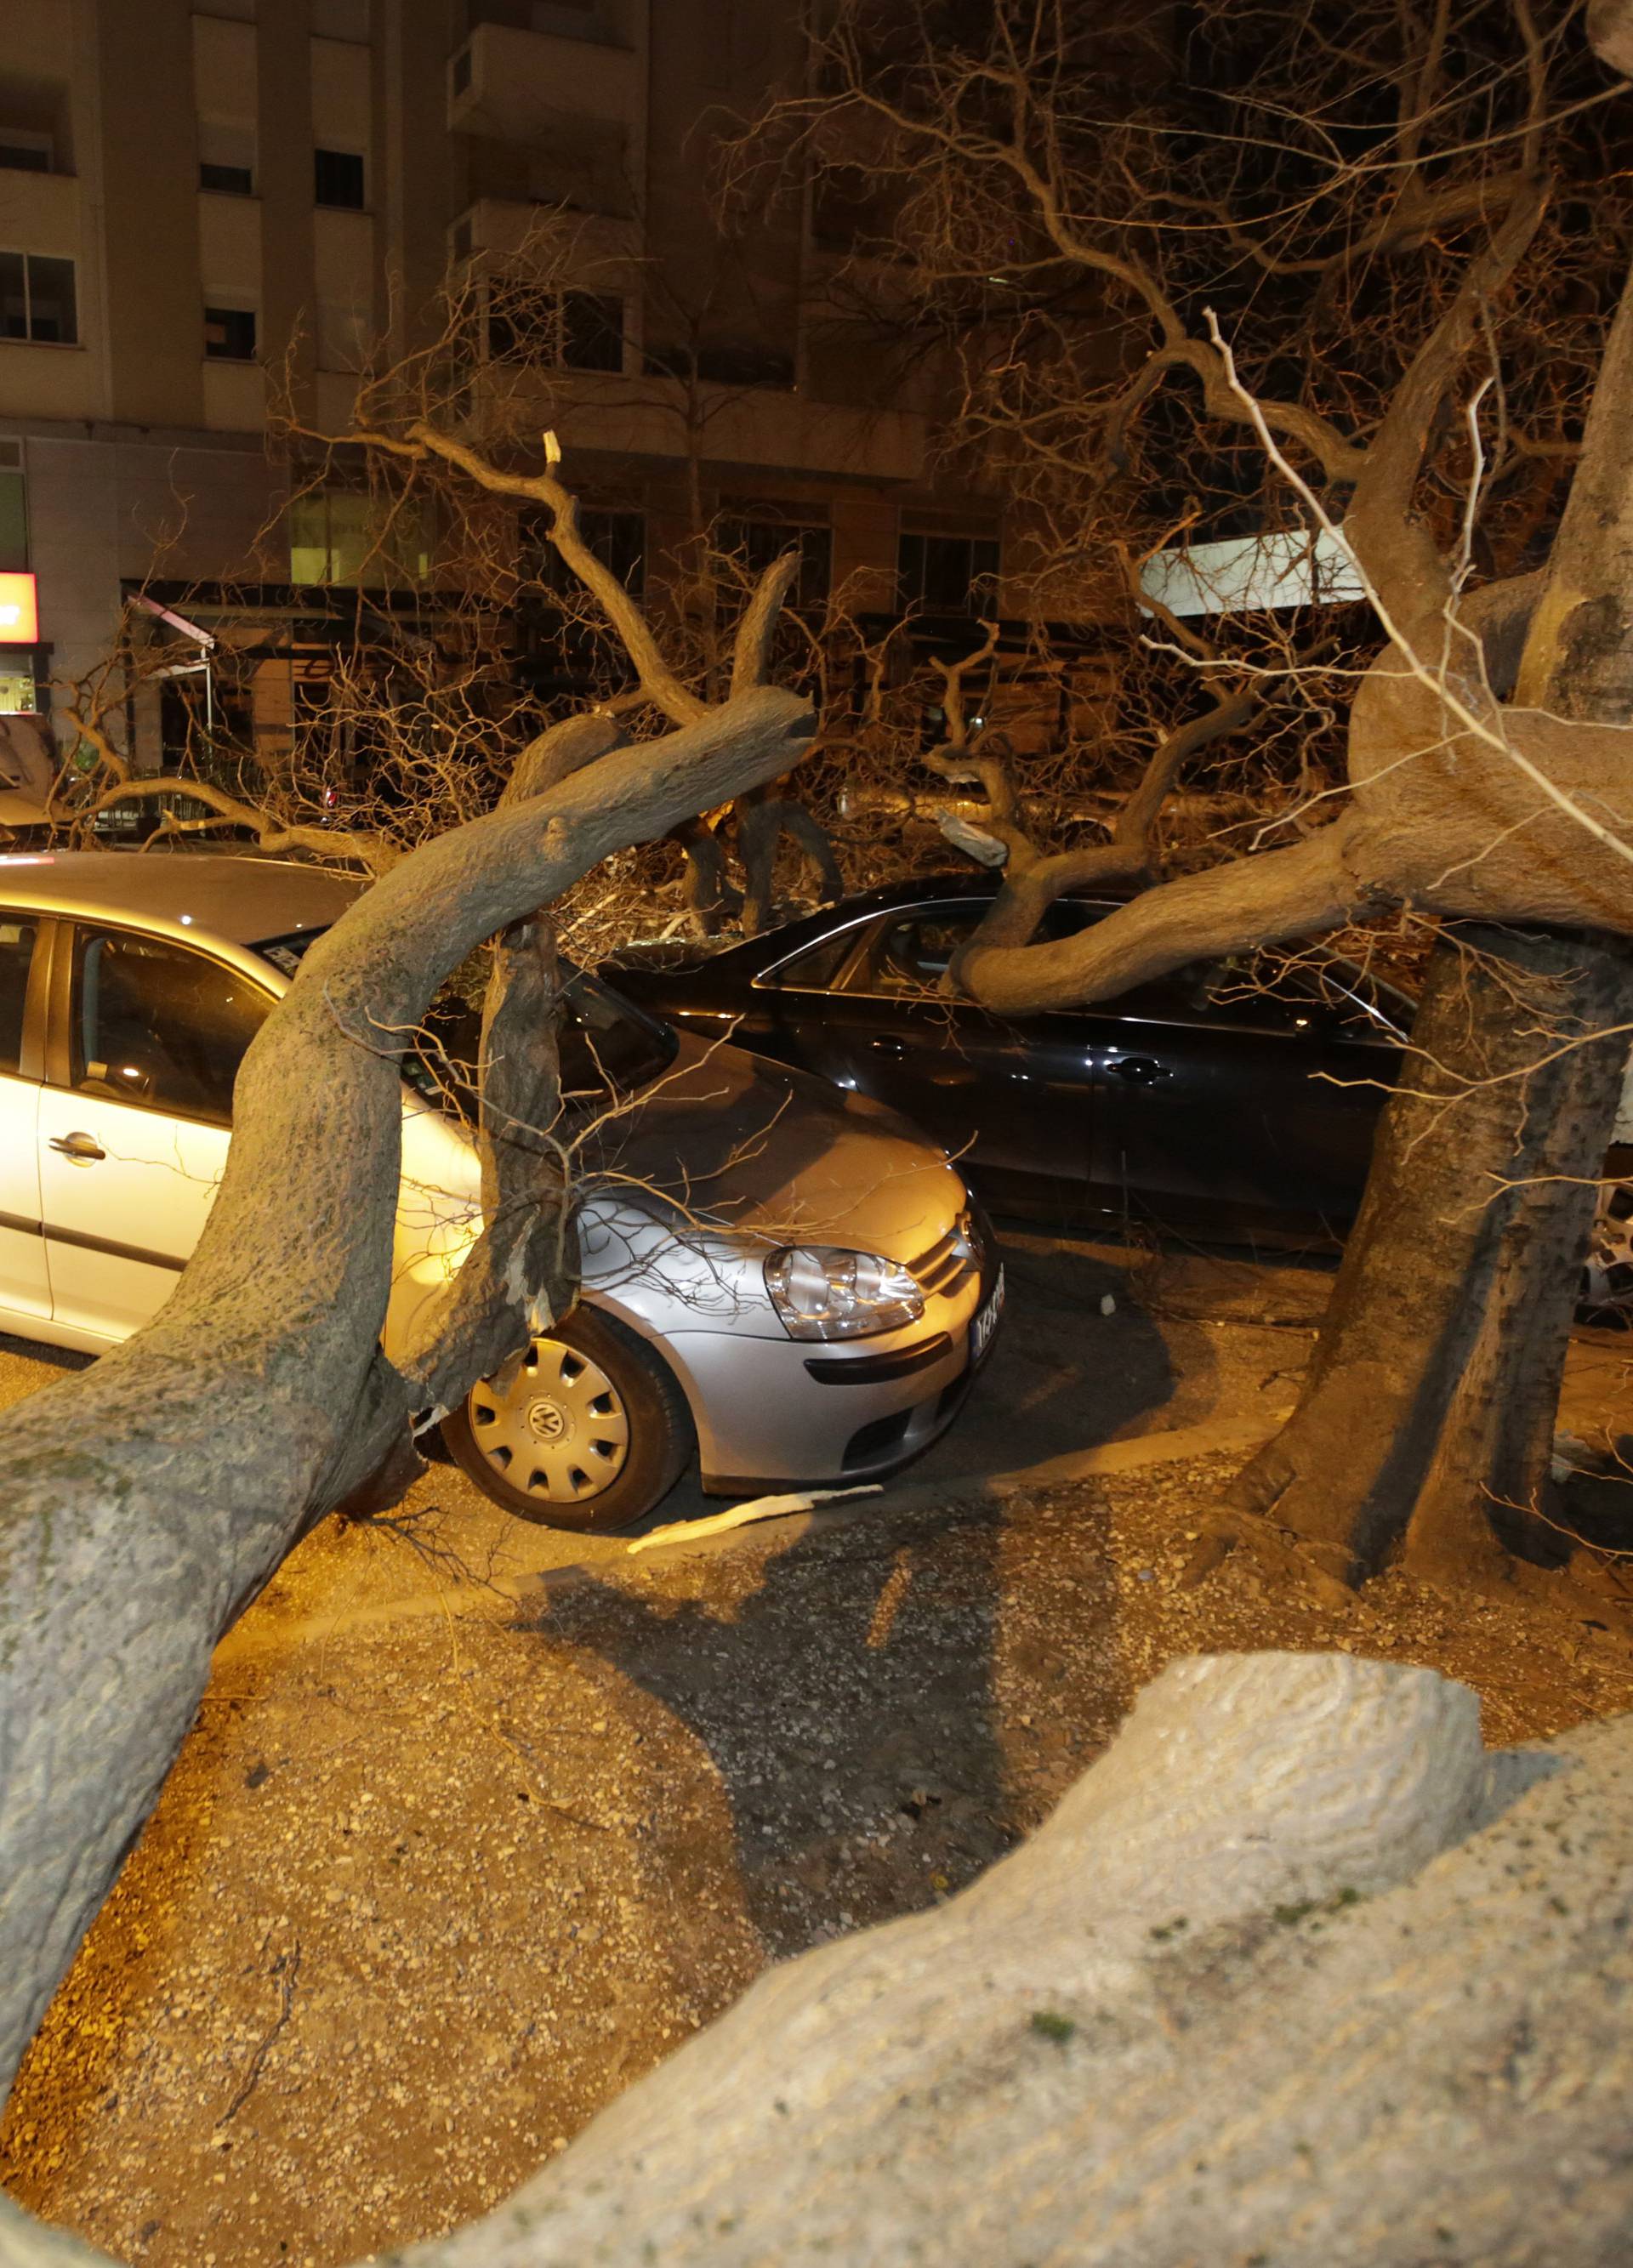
752, 654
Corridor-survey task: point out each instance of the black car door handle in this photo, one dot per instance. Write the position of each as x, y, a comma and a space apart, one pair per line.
83, 1149
1139, 1071
884, 1044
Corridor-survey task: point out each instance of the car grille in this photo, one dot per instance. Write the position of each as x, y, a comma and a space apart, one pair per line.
952, 1261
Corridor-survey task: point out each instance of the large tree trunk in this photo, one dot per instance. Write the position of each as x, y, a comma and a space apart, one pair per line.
1426, 1421
1427, 1418
1296, 1973
148, 1499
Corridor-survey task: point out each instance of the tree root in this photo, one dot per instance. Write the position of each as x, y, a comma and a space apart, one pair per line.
1326, 1571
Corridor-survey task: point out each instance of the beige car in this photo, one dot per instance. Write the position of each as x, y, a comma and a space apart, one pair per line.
786, 1281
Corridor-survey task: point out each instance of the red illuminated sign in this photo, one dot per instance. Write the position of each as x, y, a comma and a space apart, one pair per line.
20, 611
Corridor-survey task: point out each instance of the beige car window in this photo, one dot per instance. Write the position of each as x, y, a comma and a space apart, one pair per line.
17, 953
155, 1024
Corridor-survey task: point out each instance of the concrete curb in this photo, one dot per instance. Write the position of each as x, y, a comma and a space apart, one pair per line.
243, 1643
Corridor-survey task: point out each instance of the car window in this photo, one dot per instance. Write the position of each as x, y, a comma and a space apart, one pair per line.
287, 952
1272, 991
815, 969
1276, 990
606, 1047
17, 953
911, 952
155, 1023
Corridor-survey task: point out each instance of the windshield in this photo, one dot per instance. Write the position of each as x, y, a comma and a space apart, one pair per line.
608, 1046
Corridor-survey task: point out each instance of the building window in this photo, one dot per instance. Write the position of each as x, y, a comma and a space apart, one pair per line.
569, 330
722, 365
351, 536
23, 150
37, 299
227, 159
13, 510
617, 538
948, 574
230, 333
592, 331
570, 19
741, 365
755, 543
338, 179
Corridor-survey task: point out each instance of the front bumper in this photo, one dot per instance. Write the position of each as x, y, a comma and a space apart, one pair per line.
799, 1413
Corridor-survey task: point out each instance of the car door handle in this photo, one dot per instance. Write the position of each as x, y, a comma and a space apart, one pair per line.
1139, 1071
83, 1149
886, 1045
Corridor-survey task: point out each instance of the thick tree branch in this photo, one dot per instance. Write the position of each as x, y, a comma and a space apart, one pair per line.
752, 654
1397, 552
375, 853
1247, 902
522, 1272
128, 1469
657, 680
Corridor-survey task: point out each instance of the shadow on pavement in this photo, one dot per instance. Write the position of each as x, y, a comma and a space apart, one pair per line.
848, 1683
843, 1696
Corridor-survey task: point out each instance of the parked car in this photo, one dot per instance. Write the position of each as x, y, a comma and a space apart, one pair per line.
792, 1279
1239, 1095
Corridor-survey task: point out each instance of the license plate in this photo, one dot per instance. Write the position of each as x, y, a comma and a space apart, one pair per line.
987, 1323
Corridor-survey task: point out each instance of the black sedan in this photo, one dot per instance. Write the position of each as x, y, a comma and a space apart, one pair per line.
1244, 1089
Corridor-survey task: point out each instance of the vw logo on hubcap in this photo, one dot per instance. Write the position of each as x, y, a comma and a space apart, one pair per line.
548, 1421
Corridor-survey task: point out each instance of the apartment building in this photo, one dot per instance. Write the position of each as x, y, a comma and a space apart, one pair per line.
203, 199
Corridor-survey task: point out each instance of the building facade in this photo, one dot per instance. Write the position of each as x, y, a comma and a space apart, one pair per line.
205, 204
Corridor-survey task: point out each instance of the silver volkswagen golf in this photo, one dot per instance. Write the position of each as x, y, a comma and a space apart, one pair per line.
790, 1280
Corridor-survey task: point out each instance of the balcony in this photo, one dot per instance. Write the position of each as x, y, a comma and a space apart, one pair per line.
586, 249
763, 429
513, 84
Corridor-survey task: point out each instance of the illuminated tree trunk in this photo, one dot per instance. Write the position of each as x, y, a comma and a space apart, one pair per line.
138, 1519
1427, 1414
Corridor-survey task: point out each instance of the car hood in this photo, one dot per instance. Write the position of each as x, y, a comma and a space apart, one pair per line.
723, 1139
732, 1140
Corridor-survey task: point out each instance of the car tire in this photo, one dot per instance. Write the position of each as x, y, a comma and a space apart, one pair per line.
586, 1429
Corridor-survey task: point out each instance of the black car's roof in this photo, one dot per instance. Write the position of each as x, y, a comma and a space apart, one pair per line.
959, 883
678, 957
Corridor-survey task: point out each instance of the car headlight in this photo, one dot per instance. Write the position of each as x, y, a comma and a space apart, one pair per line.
822, 1292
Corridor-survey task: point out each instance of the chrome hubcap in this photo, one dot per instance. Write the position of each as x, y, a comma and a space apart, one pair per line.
1608, 1274
548, 1421
553, 1423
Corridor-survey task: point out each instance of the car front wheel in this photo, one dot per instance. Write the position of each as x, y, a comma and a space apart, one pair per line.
586, 1429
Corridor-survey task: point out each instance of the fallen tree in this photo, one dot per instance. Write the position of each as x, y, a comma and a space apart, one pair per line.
1398, 393
136, 1522
1297, 1972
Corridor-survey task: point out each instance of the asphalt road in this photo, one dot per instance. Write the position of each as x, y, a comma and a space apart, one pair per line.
1100, 1341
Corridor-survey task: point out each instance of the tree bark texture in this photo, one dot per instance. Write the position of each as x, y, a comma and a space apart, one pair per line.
150, 1498
1296, 1973
761, 822
1429, 1410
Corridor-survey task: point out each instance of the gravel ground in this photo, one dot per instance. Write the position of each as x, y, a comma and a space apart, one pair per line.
443, 1869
